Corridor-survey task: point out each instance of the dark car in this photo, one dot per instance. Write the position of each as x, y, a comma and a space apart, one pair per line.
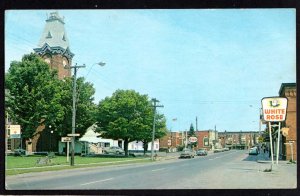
19, 152
187, 153
253, 151
201, 152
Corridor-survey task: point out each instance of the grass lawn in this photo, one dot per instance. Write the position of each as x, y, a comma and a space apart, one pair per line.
18, 165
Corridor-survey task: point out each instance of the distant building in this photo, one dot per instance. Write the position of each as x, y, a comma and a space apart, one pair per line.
238, 139
204, 140
207, 139
171, 140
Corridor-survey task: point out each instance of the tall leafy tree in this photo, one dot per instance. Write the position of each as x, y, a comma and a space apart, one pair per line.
37, 97
34, 94
85, 107
125, 115
160, 129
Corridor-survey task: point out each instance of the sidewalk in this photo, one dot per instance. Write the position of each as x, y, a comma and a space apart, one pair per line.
283, 174
255, 172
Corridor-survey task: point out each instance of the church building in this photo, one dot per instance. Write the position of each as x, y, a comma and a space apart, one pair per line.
54, 48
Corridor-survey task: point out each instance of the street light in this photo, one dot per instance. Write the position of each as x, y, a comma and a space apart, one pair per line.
99, 63
102, 64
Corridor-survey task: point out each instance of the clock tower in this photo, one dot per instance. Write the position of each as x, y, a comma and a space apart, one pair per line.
53, 46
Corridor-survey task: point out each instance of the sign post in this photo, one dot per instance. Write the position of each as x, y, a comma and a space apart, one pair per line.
274, 110
193, 139
271, 142
68, 140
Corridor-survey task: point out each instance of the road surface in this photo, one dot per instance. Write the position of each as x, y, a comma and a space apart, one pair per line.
225, 170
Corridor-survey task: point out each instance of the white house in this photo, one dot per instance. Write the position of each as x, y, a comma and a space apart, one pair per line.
90, 142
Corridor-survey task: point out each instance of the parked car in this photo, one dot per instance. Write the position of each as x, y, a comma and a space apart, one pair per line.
113, 150
218, 150
201, 152
253, 151
226, 149
187, 153
19, 152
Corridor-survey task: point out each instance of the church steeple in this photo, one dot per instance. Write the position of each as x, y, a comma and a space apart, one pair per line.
54, 45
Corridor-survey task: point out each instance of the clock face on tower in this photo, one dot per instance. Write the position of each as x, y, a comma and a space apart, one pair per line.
65, 62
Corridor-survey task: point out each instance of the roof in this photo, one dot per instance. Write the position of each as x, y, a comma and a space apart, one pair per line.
90, 135
54, 34
286, 85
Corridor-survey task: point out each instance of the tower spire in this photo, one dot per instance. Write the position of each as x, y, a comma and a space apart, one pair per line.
54, 46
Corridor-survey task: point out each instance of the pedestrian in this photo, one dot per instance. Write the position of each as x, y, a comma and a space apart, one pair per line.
264, 148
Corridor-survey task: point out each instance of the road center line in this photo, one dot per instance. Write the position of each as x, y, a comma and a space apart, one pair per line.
97, 181
158, 169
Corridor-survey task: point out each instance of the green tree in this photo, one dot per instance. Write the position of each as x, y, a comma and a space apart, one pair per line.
37, 97
125, 115
160, 129
34, 94
191, 131
85, 108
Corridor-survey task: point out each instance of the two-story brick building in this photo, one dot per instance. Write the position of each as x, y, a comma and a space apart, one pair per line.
289, 91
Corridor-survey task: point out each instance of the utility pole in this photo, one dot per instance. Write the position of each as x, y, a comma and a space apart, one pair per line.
185, 138
196, 123
153, 132
216, 133
74, 110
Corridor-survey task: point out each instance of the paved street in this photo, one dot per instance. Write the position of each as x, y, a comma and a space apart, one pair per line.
226, 170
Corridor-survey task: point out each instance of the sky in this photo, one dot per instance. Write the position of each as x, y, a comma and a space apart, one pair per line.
213, 64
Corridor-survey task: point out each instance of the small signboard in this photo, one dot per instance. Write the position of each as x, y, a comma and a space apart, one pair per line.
75, 134
14, 131
193, 139
274, 109
66, 139
14, 136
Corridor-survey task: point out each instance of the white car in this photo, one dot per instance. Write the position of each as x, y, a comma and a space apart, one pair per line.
114, 150
187, 153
